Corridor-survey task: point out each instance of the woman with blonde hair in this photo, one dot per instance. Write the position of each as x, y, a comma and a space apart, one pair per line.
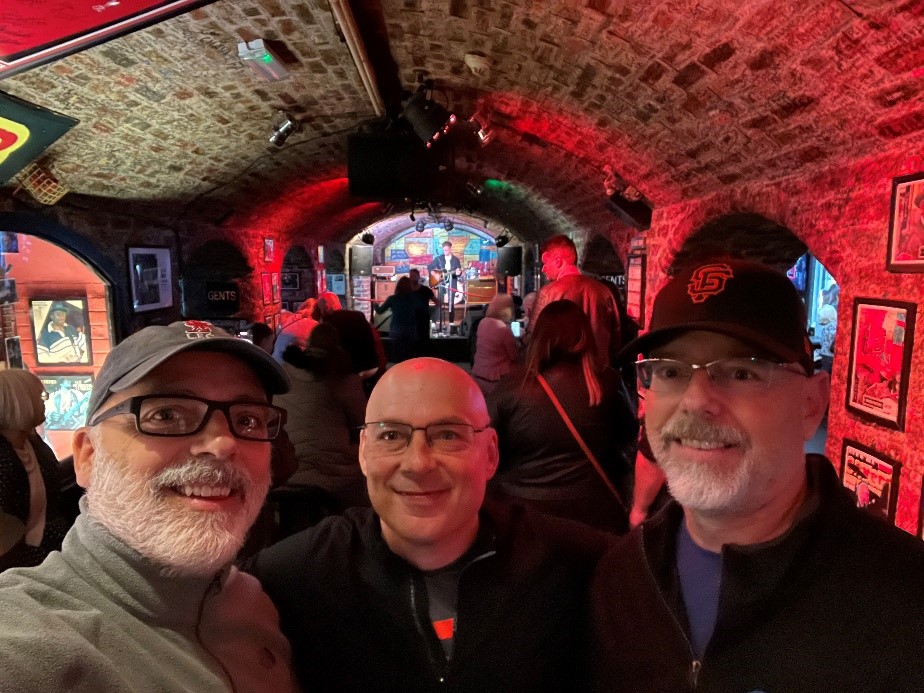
496, 350
542, 463
32, 521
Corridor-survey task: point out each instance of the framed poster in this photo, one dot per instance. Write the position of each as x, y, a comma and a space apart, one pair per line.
13, 352
275, 283
906, 225
635, 289
269, 249
9, 242
68, 397
8, 291
290, 281
267, 288
39, 32
873, 478
61, 329
880, 360
150, 275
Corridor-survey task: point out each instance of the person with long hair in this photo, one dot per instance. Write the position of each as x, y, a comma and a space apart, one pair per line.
32, 515
541, 463
407, 310
496, 350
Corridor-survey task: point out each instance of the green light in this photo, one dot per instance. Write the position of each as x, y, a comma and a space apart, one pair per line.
267, 58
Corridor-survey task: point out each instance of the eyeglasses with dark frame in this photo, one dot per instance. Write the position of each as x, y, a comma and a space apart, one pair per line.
740, 375
173, 416
391, 438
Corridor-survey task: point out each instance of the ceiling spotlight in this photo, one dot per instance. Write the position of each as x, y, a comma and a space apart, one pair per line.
448, 225
420, 226
428, 118
502, 240
285, 126
481, 129
367, 238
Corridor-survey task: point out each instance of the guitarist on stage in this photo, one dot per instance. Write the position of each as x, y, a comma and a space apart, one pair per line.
442, 266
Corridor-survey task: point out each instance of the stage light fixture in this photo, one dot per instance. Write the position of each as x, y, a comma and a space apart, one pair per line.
448, 225
502, 240
285, 126
368, 238
420, 226
428, 119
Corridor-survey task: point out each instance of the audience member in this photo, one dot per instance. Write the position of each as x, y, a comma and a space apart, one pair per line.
559, 264
263, 336
176, 463
430, 590
33, 519
496, 349
298, 330
327, 303
427, 297
325, 408
362, 343
406, 313
542, 462
763, 573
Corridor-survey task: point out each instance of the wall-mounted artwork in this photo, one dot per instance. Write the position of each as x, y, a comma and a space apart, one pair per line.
267, 285
269, 249
275, 283
68, 398
61, 331
150, 274
873, 478
8, 292
13, 352
290, 281
880, 360
906, 225
635, 288
9, 242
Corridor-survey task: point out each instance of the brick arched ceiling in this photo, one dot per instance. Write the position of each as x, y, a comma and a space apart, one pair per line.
680, 97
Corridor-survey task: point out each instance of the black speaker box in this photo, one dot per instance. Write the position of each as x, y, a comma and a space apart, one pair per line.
510, 261
361, 260
389, 166
636, 214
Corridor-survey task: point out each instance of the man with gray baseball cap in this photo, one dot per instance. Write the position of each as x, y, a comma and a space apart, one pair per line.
762, 572
175, 460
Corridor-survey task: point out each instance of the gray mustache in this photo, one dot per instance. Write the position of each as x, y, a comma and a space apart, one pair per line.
196, 472
697, 429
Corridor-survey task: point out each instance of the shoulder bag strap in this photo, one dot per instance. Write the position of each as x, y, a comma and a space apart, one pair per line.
580, 441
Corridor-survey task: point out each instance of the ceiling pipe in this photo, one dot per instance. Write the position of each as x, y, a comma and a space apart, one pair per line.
344, 16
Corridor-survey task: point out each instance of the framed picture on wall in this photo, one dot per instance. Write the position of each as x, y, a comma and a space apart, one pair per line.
68, 398
275, 283
267, 284
61, 329
290, 281
150, 278
8, 291
906, 225
873, 478
635, 288
13, 352
880, 360
269, 250
9, 242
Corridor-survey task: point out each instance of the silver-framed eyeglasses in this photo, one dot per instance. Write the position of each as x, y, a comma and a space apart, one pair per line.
390, 438
737, 375
184, 415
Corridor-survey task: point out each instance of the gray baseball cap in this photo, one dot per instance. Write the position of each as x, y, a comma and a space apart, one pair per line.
135, 357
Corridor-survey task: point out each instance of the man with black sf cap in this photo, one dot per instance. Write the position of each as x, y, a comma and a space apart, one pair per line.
762, 575
175, 460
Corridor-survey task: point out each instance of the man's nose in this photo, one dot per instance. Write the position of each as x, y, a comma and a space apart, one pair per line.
419, 454
702, 394
216, 437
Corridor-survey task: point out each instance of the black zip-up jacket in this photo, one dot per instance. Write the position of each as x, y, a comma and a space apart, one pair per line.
834, 605
357, 614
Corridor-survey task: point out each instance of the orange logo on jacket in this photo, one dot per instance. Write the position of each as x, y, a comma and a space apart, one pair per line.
708, 280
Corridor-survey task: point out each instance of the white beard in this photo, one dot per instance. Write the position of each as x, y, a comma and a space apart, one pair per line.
134, 507
705, 487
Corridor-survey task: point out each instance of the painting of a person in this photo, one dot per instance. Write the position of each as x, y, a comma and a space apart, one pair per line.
59, 341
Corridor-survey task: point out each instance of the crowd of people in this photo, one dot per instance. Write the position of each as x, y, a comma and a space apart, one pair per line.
480, 531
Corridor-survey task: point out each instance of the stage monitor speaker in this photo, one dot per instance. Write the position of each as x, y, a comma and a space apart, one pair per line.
361, 260
389, 166
510, 261
636, 214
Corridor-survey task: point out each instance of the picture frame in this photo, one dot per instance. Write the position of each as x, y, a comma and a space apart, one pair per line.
291, 281
43, 33
8, 293
872, 477
881, 342
68, 399
267, 283
269, 249
13, 353
61, 331
9, 242
286, 306
150, 278
635, 287
275, 283
906, 225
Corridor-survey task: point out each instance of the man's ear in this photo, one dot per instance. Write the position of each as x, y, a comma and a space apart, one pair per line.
362, 452
816, 396
493, 453
84, 453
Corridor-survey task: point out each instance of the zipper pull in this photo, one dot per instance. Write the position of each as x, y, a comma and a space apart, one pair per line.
695, 667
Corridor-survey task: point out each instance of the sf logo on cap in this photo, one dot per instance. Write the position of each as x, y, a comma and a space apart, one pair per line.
198, 329
708, 280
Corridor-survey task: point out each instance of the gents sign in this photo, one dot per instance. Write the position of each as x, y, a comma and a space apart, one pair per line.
222, 298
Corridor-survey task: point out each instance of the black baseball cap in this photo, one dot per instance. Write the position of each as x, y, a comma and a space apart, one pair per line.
135, 357
739, 298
